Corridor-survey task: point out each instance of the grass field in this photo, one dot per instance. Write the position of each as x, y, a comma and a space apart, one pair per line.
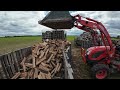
70, 38
10, 44
114, 39
13, 43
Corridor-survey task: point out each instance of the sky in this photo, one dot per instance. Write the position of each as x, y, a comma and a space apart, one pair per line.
14, 23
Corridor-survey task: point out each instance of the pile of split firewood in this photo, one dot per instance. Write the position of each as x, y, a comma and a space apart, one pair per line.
45, 62
86, 36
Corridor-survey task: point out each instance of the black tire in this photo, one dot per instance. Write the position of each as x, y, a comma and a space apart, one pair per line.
100, 71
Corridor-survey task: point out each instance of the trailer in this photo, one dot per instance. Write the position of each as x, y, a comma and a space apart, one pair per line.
10, 63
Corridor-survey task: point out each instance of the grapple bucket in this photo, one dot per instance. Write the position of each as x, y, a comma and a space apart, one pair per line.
58, 20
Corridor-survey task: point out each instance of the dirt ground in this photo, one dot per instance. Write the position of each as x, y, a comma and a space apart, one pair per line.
80, 69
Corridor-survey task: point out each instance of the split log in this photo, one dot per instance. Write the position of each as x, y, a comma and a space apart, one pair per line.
34, 55
38, 51
45, 65
31, 73
46, 48
37, 63
23, 61
29, 65
40, 76
58, 69
44, 68
45, 62
43, 75
23, 64
24, 75
29, 59
16, 75
50, 58
46, 52
53, 63
34, 63
48, 76
41, 54
35, 73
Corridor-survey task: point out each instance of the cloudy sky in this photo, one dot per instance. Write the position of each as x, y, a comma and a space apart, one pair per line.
26, 22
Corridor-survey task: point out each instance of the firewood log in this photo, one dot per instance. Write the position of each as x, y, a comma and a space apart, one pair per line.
50, 58
37, 63
35, 73
41, 54
16, 75
34, 63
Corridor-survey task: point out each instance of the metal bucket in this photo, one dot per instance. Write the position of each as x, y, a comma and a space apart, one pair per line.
58, 20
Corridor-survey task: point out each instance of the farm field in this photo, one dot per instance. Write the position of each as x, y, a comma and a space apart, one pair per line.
9, 44
81, 70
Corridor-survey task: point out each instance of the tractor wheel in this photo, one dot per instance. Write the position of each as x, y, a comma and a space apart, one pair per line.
100, 71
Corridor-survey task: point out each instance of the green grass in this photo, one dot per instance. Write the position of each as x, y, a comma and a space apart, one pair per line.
10, 44
114, 39
70, 38
13, 43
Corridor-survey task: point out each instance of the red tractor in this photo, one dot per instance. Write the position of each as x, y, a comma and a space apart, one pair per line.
104, 57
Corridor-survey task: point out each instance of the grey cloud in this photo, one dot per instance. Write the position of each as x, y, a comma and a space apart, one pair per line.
26, 22
20, 22
114, 25
113, 14
110, 19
